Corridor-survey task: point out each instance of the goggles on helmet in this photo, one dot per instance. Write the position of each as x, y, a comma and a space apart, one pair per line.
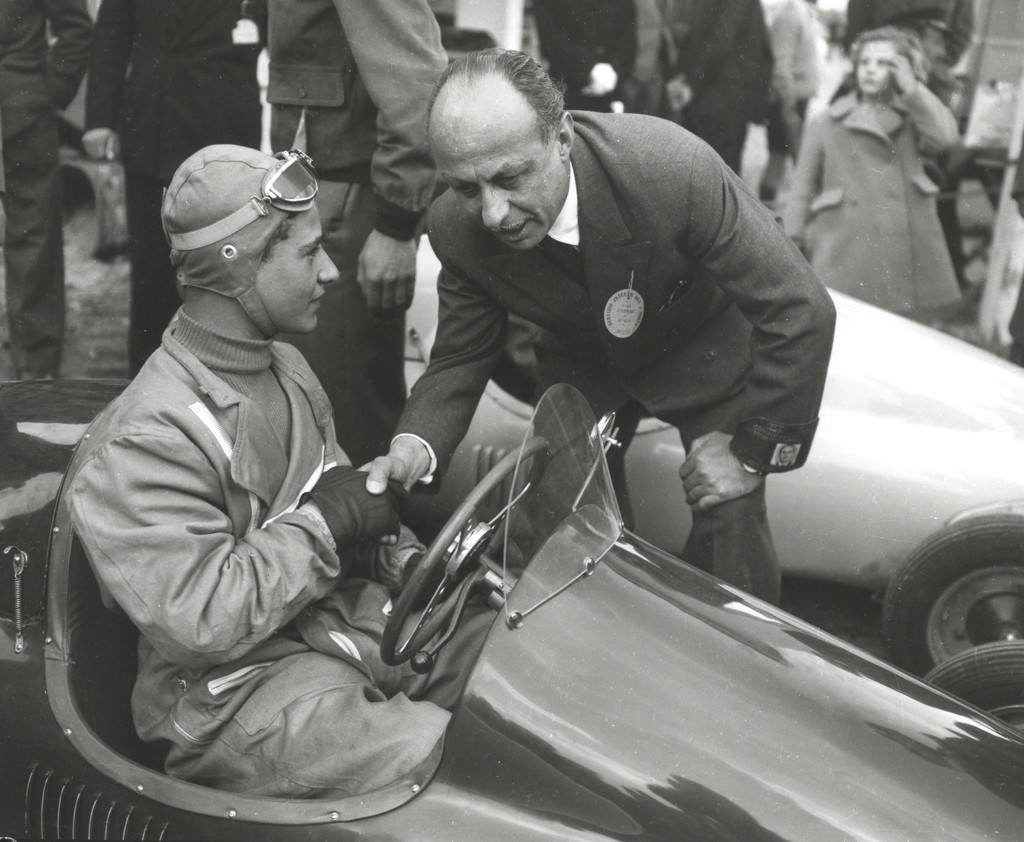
290, 186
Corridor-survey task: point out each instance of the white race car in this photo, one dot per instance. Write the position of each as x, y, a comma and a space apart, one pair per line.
915, 482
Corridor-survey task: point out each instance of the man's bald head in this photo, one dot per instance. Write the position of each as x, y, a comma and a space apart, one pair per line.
501, 139
475, 71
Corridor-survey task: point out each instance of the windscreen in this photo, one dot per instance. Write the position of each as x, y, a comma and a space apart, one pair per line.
561, 480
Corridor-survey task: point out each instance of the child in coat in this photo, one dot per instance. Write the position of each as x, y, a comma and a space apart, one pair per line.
861, 205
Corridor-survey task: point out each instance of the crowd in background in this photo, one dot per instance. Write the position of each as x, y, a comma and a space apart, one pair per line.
169, 77
873, 195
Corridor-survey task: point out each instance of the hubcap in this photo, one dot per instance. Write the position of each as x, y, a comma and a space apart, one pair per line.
982, 607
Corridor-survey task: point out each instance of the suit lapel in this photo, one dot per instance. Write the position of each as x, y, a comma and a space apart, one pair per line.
612, 260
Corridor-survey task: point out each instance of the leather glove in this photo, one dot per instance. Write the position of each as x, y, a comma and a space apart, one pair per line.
351, 512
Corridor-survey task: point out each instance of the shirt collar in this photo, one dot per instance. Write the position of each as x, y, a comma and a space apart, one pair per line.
566, 227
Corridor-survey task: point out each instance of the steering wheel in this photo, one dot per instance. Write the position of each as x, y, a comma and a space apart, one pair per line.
457, 545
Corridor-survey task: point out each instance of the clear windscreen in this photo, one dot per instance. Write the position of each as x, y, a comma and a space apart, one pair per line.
561, 480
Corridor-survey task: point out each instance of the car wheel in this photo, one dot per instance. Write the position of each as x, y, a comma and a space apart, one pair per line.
990, 677
962, 587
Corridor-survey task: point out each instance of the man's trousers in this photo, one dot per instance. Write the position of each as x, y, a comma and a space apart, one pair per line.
34, 250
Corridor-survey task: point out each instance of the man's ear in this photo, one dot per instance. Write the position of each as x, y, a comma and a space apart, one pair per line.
566, 134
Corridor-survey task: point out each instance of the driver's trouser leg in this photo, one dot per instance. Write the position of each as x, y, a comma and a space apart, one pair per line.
308, 725
733, 541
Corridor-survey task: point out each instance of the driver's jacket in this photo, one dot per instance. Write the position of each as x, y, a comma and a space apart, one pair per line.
191, 528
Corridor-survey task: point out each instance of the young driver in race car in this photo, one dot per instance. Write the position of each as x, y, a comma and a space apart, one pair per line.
220, 514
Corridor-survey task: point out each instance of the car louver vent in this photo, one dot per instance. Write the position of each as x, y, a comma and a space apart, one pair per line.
59, 807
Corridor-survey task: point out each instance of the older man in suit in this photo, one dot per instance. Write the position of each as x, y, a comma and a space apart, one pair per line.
658, 280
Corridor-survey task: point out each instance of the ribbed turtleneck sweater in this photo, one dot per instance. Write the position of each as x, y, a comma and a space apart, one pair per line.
244, 364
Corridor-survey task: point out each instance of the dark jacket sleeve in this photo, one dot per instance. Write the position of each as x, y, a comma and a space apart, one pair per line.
68, 57
112, 43
792, 315
470, 338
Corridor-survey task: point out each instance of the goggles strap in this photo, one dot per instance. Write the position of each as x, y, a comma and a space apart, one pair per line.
189, 240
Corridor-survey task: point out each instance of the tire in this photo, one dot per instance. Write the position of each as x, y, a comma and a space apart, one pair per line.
961, 588
990, 677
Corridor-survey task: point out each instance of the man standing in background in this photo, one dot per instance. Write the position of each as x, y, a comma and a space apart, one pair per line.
40, 73
349, 84
791, 28
591, 46
721, 81
167, 77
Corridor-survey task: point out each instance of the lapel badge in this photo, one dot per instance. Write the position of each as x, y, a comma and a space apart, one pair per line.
624, 311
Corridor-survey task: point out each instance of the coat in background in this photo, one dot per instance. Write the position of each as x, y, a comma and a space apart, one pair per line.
172, 78
865, 208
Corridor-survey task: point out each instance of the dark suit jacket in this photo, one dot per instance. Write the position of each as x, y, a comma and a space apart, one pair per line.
38, 75
736, 332
577, 34
727, 58
166, 74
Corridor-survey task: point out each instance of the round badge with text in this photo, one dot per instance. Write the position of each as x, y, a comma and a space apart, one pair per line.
623, 313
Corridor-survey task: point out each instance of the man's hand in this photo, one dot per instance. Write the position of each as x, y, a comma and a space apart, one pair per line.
712, 474
678, 93
406, 462
387, 272
102, 144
